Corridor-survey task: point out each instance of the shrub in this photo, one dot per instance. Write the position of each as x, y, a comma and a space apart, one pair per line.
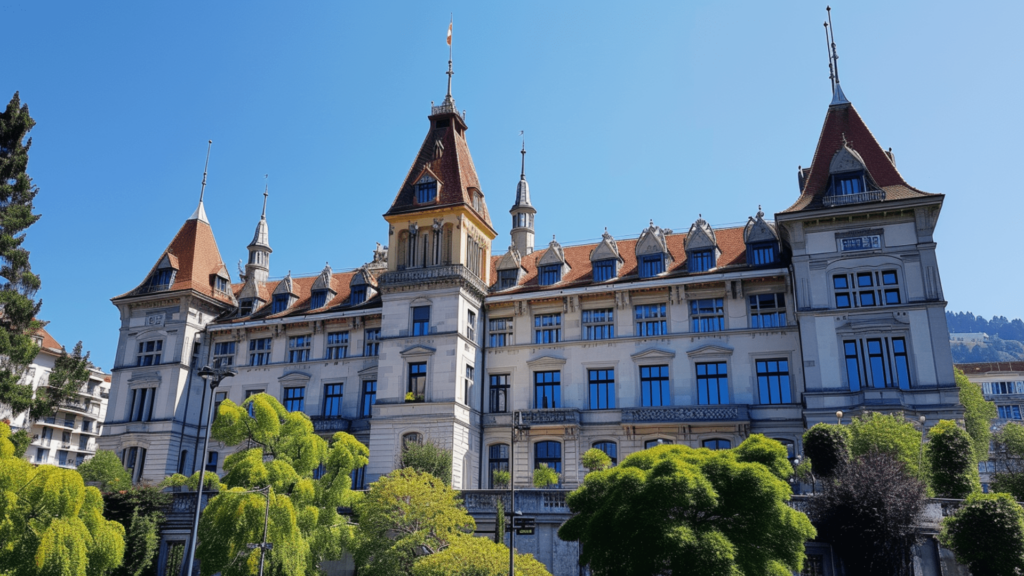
987, 534
827, 446
595, 459
544, 476
953, 469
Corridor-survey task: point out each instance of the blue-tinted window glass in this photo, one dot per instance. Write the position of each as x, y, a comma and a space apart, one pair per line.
773, 381
707, 315
656, 442
280, 303
899, 348
426, 192
849, 184
497, 460
852, 364
602, 389
418, 380
650, 320
499, 393
768, 311
712, 383
318, 299
651, 265
507, 279
420, 320
549, 454
547, 389
654, 386
876, 364
550, 274
547, 328
357, 296
371, 346
701, 260
717, 444
369, 397
162, 278
359, 478
610, 449
604, 270
294, 399
332, 400
598, 324
762, 254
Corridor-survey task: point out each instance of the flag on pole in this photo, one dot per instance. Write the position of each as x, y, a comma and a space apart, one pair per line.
450, 33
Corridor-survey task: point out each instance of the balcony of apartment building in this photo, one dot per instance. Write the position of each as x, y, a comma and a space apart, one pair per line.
647, 415
85, 408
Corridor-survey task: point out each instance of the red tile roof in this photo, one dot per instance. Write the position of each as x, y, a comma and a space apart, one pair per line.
194, 253
981, 368
454, 170
302, 288
842, 120
49, 342
730, 242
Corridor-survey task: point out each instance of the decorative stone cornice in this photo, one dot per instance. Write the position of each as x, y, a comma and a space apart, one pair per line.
420, 279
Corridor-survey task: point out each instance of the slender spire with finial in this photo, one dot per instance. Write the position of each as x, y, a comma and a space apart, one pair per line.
832, 31
828, 52
830, 35
522, 171
450, 24
200, 213
266, 192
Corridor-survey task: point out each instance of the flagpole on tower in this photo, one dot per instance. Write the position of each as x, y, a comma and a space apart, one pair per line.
450, 24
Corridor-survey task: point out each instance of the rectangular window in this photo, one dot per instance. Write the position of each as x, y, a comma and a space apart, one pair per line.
142, 405
223, 354
471, 325
498, 460
359, 478
867, 289
707, 315
369, 397
852, 364
337, 345
547, 328
598, 324
773, 381
768, 311
221, 284
149, 353
548, 389
762, 254
602, 389
357, 296
250, 394
701, 261
550, 274
332, 400
499, 332
418, 380
899, 355
499, 393
847, 185
426, 192
217, 399
650, 320
211, 462
604, 270
299, 347
712, 383
421, 320
280, 303
294, 399
651, 265
468, 385
876, 363
318, 299
371, 347
841, 285
1009, 412
259, 351
654, 386
507, 279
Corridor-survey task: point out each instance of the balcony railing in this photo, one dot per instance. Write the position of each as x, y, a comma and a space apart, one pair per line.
79, 407
859, 198
330, 423
153, 288
447, 107
723, 413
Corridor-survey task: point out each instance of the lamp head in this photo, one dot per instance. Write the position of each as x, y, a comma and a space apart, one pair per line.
922, 419
206, 373
839, 413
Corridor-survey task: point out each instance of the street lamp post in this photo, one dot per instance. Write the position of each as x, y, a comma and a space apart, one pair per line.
264, 546
213, 376
518, 428
839, 416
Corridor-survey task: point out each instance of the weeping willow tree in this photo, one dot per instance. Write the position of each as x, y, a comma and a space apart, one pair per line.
50, 523
281, 452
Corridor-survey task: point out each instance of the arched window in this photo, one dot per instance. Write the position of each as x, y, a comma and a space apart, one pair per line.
548, 453
609, 448
656, 442
411, 438
717, 444
498, 461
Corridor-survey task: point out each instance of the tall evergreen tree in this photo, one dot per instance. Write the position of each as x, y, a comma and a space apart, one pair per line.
18, 284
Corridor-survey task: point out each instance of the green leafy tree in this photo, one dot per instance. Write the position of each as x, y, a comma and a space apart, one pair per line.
21, 441
1008, 456
826, 449
888, 434
472, 556
140, 511
106, 468
405, 515
429, 457
952, 467
501, 478
978, 414
305, 527
595, 459
681, 510
869, 514
499, 521
987, 535
18, 324
51, 523
544, 476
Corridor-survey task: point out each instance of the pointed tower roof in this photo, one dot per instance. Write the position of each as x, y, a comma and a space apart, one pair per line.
193, 253
523, 189
444, 156
845, 131
261, 238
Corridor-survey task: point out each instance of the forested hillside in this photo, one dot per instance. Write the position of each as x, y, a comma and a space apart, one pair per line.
1005, 343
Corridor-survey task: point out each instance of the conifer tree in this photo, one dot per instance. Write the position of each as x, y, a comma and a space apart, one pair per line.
18, 284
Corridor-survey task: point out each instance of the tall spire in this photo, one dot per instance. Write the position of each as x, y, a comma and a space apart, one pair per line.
258, 267
522, 211
450, 24
833, 62
266, 190
200, 213
522, 171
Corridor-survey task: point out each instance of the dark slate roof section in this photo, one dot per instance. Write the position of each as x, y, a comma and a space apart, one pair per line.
302, 288
843, 120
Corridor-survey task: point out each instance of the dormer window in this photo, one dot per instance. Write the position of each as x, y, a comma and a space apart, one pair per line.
161, 279
550, 274
847, 184
280, 303
701, 260
426, 190
762, 254
245, 307
507, 279
358, 295
220, 284
318, 299
604, 270
651, 265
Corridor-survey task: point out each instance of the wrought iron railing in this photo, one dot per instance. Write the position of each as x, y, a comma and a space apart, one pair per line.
736, 412
447, 107
859, 198
153, 288
330, 423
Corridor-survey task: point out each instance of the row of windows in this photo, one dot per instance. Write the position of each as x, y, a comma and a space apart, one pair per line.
1002, 387
648, 266
294, 399
706, 315
712, 386
877, 363
299, 348
866, 289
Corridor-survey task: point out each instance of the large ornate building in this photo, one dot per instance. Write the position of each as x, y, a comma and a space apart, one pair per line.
699, 337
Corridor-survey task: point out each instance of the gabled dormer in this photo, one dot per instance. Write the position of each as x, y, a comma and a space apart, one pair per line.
362, 287
762, 241
552, 265
652, 255
221, 282
510, 270
428, 187
322, 291
605, 259
701, 246
163, 275
284, 295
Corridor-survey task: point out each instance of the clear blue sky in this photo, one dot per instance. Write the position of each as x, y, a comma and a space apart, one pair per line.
632, 111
